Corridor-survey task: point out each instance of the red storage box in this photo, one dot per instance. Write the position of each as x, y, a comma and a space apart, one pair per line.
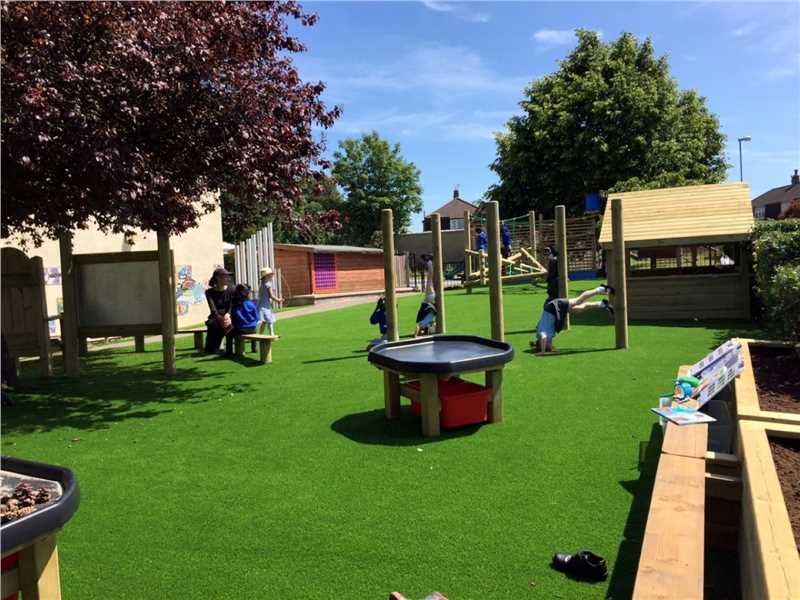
463, 402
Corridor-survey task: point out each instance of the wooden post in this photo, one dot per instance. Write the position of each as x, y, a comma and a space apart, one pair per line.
532, 231
494, 381
43, 328
391, 394
166, 276
69, 322
438, 272
429, 398
482, 267
38, 569
620, 276
387, 225
139, 343
467, 246
83, 345
495, 272
563, 265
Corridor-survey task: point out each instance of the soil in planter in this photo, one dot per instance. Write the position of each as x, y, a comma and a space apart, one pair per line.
777, 374
786, 454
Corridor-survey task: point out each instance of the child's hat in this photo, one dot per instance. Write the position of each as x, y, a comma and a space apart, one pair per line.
265, 271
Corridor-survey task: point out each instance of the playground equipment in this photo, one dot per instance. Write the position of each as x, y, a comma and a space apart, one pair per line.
520, 265
253, 254
25, 308
427, 363
118, 293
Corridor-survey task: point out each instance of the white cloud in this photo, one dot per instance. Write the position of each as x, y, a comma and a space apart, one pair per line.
555, 37
744, 30
458, 10
444, 70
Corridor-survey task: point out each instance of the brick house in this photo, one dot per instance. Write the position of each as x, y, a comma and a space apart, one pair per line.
452, 214
771, 204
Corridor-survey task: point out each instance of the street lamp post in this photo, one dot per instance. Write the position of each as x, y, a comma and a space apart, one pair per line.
746, 138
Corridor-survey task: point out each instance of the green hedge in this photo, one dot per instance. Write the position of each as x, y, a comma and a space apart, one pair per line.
776, 256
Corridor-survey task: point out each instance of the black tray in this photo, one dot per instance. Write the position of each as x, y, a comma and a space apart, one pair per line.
49, 518
442, 354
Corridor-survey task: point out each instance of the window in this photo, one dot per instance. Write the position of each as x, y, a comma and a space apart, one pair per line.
759, 212
772, 211
673, 260
456, 223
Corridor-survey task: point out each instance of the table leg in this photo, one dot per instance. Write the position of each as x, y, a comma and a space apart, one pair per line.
198, 341
391, 394
139, 343
429, 396
38, 570
238, 345
494, 380
265, 351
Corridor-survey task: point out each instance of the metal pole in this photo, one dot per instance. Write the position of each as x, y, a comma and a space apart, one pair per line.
741, 174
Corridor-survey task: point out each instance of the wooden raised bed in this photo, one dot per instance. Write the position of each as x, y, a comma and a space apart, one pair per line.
770, 564
747, 405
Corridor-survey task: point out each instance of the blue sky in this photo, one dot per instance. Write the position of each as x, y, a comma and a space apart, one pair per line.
441, 77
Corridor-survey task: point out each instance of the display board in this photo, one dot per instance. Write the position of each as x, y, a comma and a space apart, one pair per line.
118, 293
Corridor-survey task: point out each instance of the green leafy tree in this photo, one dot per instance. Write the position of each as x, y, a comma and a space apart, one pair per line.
315, 217
374, 176
611, 117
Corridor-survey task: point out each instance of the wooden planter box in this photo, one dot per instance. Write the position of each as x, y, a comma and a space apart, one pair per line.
744, 389
769, 560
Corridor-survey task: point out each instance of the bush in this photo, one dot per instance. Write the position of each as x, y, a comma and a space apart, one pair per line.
776, 254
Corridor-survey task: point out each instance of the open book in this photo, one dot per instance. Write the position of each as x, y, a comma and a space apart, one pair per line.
682, 416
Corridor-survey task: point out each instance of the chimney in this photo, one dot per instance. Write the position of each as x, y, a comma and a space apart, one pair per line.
455, 192
795, 178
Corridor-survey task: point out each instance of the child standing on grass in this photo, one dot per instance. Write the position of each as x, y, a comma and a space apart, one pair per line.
265, 300
378, 317
555, 311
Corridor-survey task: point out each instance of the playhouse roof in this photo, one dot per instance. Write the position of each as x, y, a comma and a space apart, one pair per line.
697, 214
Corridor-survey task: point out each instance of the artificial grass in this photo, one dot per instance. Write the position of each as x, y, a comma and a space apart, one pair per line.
233, 480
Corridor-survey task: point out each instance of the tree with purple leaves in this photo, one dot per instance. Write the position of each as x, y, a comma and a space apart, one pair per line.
124, 113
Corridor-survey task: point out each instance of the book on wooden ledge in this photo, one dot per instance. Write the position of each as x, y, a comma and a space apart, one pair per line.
682, 416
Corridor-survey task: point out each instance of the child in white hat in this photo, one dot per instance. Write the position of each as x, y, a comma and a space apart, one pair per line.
265, 300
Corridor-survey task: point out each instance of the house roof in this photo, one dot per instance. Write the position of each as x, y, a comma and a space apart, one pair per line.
328, 248
697, 214
455, 209
778, 195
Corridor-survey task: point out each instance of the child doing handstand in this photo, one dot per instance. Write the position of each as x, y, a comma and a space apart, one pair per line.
555, 311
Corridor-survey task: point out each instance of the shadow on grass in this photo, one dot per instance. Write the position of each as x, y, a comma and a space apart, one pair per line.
624, 573
107, 392
361, 354
372, 427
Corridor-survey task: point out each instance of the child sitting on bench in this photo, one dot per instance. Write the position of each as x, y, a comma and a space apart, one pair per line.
245, 313
555, 311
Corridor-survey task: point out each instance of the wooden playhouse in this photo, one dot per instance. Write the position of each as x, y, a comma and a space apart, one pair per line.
686, 251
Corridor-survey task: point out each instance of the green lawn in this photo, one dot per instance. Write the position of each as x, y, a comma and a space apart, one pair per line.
233, 480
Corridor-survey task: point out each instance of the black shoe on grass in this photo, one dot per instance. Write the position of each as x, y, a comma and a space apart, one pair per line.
582, 565
608, 289
607, 305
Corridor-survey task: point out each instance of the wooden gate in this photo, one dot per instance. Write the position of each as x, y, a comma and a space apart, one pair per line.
24, 324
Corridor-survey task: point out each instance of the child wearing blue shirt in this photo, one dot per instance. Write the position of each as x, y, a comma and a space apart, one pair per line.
378, 317
245, 313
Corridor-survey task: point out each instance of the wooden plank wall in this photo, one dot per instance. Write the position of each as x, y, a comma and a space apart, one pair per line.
357, 272
295, 271
688, 297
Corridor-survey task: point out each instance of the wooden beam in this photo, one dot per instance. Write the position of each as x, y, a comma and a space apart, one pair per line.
438, 272
69, 322
563, 258
391, 394
166, 276
467, 247
429, 394
620, 276
495, 271
387, 227
38, 570
532, 231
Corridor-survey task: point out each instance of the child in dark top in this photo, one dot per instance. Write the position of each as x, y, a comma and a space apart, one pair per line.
378, 317
220, 301
245, 314
555, 311
505, 234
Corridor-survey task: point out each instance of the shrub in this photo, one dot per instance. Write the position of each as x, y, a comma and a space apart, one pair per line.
776, 254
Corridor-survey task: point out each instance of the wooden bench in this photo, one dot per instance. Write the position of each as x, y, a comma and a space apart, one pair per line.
672, 561
264, 342
198, 337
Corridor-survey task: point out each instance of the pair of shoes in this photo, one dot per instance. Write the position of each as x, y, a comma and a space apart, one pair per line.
582, 565
608, 289
607, 305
